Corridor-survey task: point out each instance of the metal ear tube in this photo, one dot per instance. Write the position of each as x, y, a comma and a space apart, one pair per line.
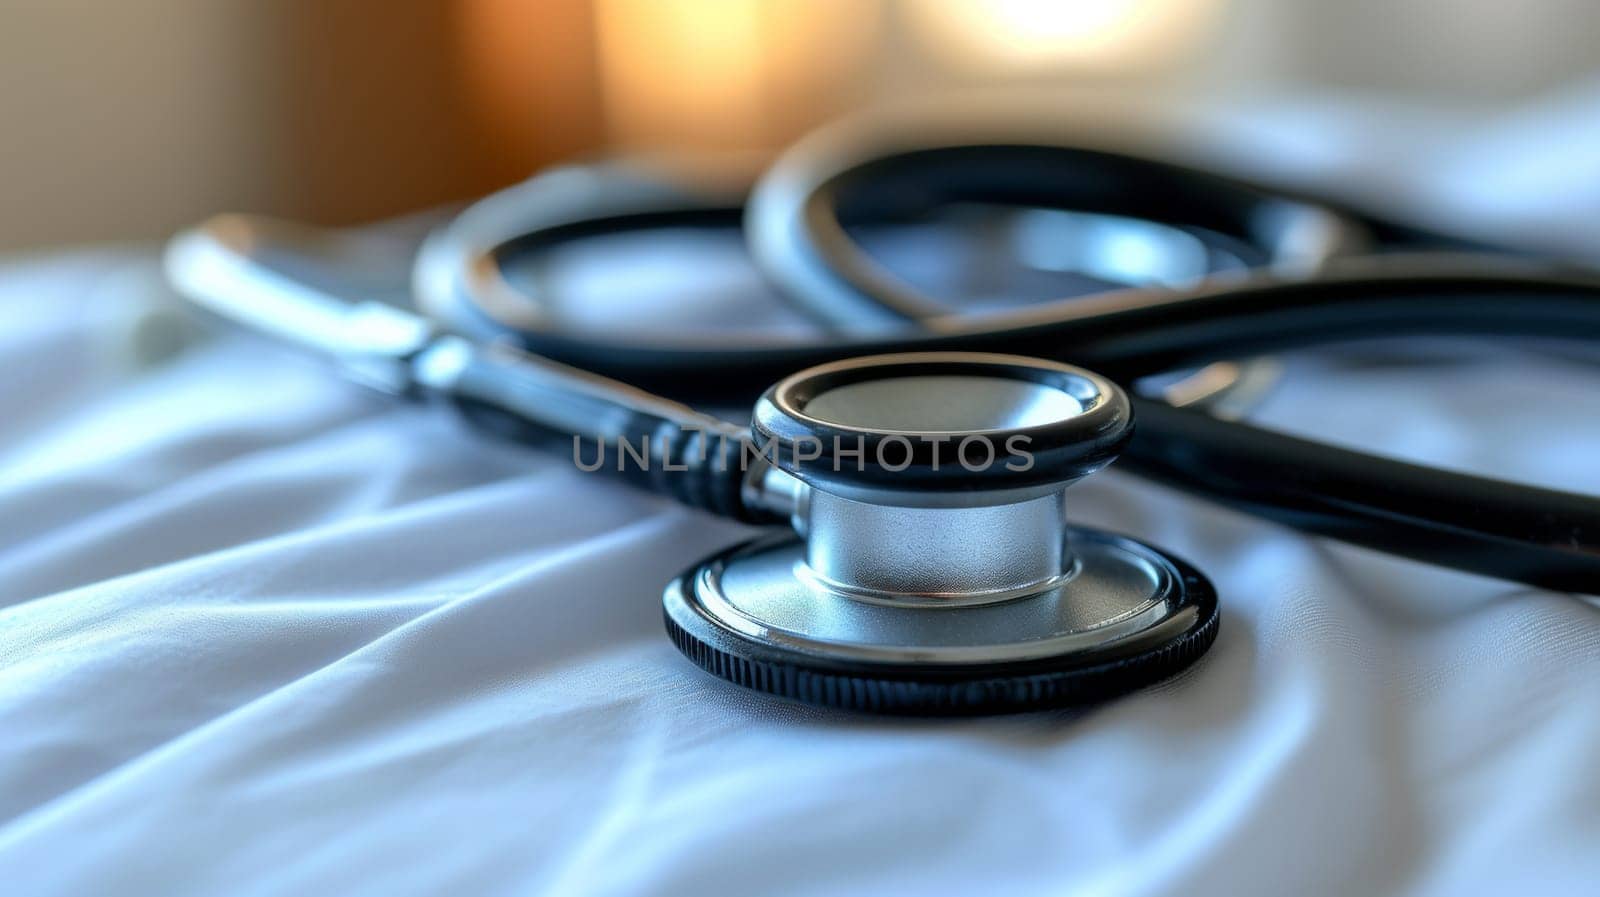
933, 569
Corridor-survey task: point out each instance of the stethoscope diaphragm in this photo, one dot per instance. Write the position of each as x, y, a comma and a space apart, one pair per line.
932, 569
1127, 615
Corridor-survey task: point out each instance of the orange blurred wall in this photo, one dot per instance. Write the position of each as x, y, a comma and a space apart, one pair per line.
127, 121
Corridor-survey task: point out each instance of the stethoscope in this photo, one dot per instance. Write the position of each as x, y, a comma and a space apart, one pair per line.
921, 456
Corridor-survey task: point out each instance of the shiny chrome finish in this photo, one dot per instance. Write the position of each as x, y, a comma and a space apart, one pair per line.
975, 566
1119, 591
948, 556
1226, 389
215, 265
943, 404
769, 489
963, 529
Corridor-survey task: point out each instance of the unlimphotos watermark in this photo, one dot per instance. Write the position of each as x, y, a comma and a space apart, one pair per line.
975, 452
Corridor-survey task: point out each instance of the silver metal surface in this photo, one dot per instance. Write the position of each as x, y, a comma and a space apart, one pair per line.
769, 489
938, 544
1226, 389
215, 265
938, 556
1118, 591
939, 404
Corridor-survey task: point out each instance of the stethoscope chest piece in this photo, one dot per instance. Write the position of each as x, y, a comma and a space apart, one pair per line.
932, 570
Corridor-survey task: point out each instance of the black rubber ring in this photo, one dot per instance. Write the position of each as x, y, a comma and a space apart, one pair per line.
1058, 452
941, 690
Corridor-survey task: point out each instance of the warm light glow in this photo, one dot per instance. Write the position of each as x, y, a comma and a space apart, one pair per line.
740, 73
1032, 34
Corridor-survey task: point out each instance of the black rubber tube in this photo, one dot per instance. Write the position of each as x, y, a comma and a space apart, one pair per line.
1537, 536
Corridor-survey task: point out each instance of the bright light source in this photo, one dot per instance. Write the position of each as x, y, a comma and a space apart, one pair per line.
726, 72
1034, 34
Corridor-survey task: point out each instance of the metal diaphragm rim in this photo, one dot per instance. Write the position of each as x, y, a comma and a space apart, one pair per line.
1092, 663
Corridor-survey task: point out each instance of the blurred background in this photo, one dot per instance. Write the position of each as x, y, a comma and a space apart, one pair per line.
127, 120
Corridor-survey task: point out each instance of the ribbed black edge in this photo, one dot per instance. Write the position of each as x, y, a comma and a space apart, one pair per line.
944, 690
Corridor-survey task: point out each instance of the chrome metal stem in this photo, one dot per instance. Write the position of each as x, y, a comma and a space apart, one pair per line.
973, 554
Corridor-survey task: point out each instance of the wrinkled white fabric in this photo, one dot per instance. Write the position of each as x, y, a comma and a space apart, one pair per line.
264, 633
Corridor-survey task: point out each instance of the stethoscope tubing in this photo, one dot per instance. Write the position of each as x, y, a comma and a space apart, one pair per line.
1541, 537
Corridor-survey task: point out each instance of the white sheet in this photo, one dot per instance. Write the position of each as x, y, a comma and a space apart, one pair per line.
263, 633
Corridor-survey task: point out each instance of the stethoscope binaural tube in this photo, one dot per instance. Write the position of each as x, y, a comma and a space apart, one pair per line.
931, 582
683, 453
1541, 537
799, 217
1537, 536
1479, 524
915, 583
